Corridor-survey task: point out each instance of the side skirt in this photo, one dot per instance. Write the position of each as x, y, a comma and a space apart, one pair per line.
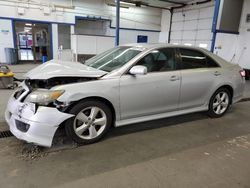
159, 116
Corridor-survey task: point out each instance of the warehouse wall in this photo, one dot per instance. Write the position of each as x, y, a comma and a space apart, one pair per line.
6, 38
64, 36
236, 48
134, 20
165, 24
193, 25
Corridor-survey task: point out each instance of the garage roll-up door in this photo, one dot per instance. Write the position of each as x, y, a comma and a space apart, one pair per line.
193, 27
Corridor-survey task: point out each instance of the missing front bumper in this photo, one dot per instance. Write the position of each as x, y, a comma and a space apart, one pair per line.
42, 123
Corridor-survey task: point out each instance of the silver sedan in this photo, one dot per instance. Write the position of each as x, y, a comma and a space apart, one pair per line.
124, 85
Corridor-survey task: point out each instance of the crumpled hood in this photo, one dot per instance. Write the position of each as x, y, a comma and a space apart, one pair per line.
57, 68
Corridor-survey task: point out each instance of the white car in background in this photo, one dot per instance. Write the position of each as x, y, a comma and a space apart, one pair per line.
125, 85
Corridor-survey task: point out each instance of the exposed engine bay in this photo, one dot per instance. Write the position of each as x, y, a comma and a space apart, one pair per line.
49, 83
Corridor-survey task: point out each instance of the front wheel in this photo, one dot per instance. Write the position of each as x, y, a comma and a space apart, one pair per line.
219, 103
92, 120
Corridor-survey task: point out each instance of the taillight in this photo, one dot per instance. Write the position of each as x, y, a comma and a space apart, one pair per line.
243, 73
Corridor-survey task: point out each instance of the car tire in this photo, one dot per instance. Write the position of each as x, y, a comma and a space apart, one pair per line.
219, 103
91, 122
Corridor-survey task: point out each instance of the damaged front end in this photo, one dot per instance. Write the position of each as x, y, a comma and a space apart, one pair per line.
34, 114
42, 94
51, 82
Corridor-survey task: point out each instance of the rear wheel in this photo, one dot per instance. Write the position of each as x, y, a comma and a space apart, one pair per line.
219, 103
92, 120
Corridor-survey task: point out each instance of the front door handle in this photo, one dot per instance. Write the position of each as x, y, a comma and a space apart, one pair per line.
217, 73
174, 78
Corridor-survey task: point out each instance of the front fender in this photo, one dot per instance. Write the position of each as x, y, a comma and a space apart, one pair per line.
106, 89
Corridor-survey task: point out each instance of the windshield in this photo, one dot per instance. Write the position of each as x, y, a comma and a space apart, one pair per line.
113, 58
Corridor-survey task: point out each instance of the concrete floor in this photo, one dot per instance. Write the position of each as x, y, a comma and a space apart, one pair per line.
186, 151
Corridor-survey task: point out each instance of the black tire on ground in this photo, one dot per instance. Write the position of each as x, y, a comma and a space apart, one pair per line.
69, 124
211, 112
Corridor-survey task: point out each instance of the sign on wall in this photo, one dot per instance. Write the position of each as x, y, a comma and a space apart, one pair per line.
142, 39
5, 31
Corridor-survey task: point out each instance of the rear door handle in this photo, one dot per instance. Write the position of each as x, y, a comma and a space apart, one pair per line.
217, 73
174, 78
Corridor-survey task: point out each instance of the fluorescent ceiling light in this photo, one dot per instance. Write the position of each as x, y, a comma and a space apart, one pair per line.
188, 44
203, 45
27, 29
28, 24
122, 4
125, 3
175, 43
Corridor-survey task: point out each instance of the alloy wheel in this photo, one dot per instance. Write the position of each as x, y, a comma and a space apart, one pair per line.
90, 122
220, 103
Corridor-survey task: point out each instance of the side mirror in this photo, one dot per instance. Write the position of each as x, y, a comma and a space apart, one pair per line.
138, 70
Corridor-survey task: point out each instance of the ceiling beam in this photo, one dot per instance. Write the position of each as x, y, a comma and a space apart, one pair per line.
173, 2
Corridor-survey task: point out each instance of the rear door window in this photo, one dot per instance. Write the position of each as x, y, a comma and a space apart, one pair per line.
193, 59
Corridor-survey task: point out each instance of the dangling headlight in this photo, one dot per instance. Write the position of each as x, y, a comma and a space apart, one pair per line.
43, 96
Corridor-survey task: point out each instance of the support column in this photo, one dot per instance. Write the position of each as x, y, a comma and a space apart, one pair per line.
54, 42
215, 20
117, 28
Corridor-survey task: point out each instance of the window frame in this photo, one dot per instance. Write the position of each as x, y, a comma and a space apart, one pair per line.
180, 62
159, 48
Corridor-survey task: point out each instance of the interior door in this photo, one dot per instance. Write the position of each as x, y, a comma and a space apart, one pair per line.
155, 92
199, 74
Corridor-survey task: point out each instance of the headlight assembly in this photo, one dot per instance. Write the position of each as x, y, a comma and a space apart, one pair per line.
43, 96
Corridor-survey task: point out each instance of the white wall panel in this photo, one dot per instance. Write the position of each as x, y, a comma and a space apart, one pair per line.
55, 40
6, 38
204, 35
189, 35
190, 25
108, 41
223, 42
193, 26
165, 21
163, 37
177, 26
92, 44
178, 17
175, 41
176, 35
191, 14
207, 12
205, 24
165, 24
233, 47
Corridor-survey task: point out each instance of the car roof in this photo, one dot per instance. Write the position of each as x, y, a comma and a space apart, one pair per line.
149, 46
160, 45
